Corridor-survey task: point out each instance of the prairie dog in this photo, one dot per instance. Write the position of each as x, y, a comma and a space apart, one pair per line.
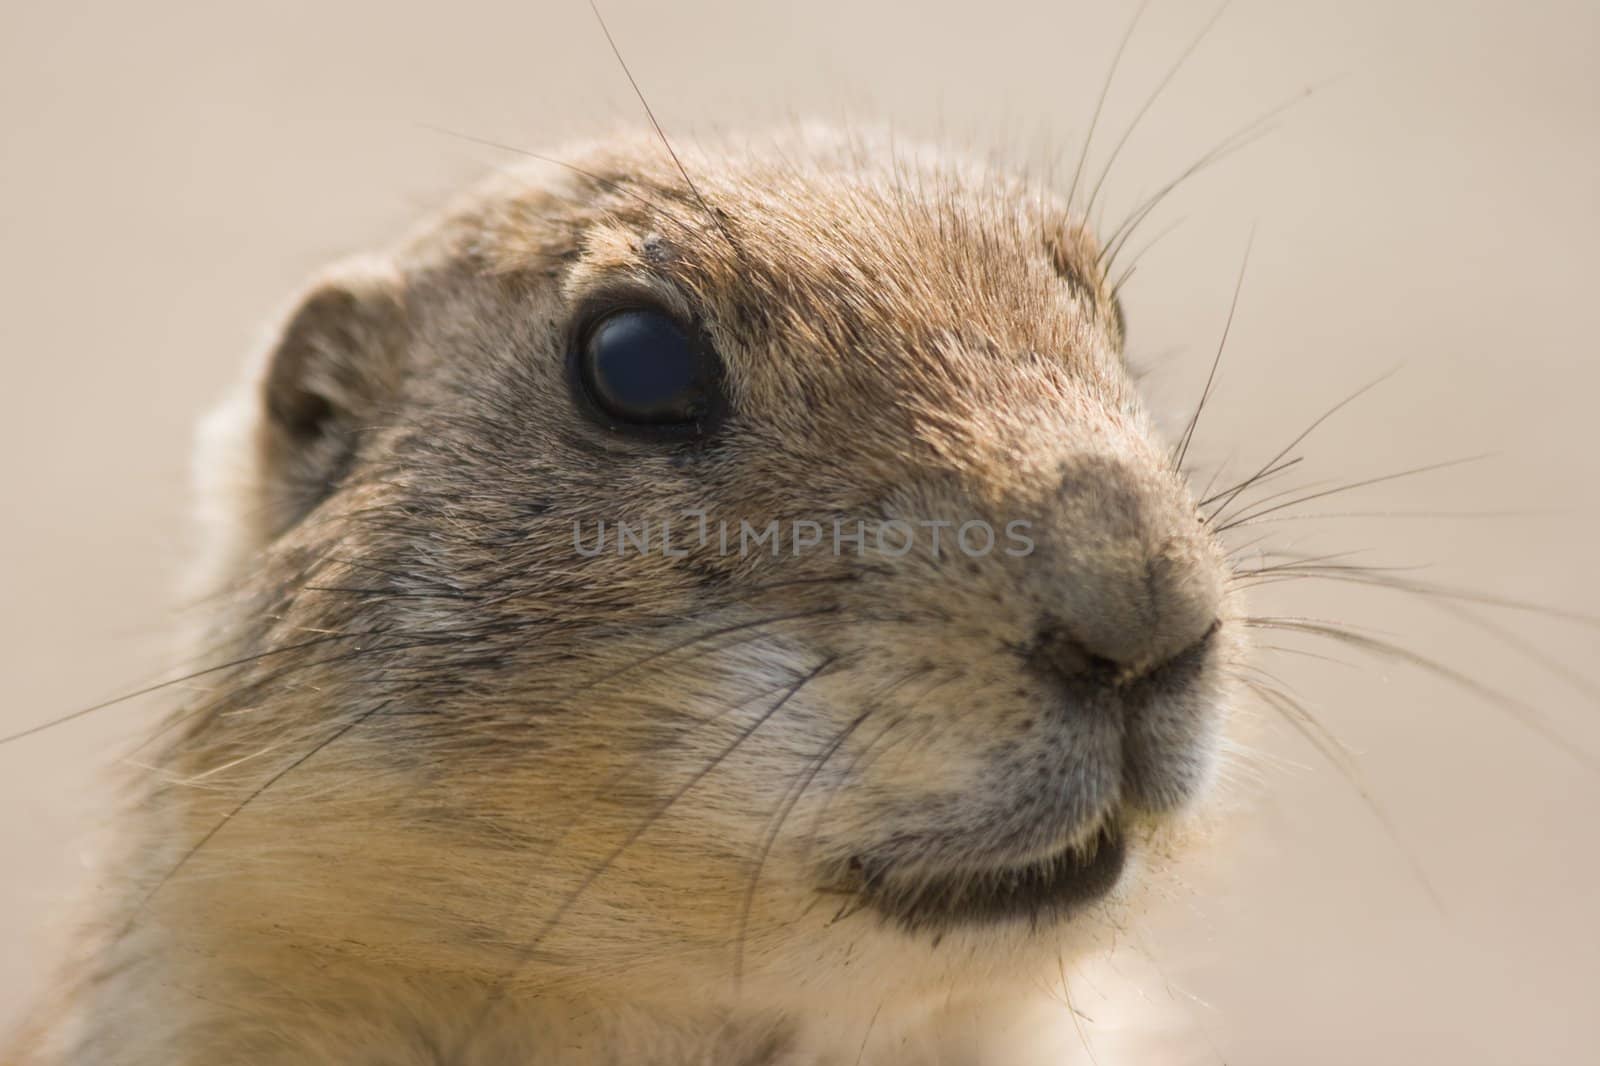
734, 614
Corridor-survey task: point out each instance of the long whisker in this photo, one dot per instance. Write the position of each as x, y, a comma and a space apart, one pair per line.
716, 219
1133, 264
1449, 600
1100, 101
1327, 560
785, 805
1229, 494
1233, 305
1527, 716
871, 1024
1172, 72
869, 752
1380, 577
1560, 669
159, 686
701, 638
1239, 139
603, 182
1316, 516
1249, 516
1075, 1014
1261, 476
1304, 723
250, 798
655, 815
1184, 996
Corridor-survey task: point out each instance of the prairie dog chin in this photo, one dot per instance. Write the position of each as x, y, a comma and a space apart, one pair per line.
747, 621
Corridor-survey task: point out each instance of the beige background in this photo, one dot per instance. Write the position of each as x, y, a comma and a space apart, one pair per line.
172, 171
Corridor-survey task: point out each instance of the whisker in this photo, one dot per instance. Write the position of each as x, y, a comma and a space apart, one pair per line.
1249, 516
242, 804
1239, 139
1261, 476
1329, 746
1287, 448
159, 686
720, 631
871, 1024
498, 987
860, 760
1285, 649
1328, 561
1133, 264
1268, 498
1100, 101
1529, 717
1149, 102
384, 594
1314, 516
1233, 305
1560, 669
786, 804
1184, 996
716, 220
1451, 597
603, 182
1379, 577
1073, 1013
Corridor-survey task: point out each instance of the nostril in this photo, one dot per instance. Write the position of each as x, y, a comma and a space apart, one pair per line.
1057, 651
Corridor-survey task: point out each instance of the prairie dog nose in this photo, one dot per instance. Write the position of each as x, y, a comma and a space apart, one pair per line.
1131, 579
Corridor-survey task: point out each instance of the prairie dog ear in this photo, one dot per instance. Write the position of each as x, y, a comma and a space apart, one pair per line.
336, 365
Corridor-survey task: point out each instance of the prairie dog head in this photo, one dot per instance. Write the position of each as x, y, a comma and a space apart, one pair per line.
772, 583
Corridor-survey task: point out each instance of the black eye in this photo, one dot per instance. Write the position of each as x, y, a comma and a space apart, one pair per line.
641, 368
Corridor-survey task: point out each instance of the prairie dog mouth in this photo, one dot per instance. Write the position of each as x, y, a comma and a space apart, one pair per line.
1036, 891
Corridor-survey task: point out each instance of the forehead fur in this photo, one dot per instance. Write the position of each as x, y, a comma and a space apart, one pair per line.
833, 274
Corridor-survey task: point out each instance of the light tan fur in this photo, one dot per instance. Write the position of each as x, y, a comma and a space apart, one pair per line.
468, 797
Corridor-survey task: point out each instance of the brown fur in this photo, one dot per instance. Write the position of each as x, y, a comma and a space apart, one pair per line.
469, 797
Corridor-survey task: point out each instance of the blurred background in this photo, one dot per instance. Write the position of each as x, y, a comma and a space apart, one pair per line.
173, 171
